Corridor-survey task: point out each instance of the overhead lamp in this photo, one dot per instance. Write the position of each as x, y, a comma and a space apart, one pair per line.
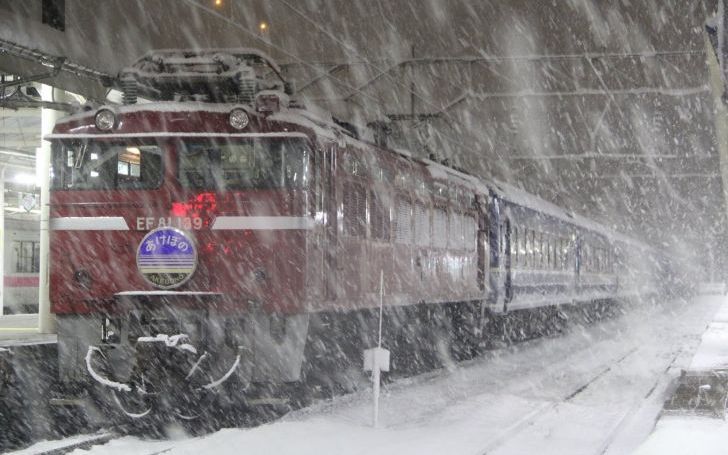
23, 178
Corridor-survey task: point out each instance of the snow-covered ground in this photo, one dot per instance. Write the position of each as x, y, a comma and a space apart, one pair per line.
596, 389
677, 435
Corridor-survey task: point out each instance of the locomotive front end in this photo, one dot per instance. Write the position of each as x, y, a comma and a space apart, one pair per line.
179, 245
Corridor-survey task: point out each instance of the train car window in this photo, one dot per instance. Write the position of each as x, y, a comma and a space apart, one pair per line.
354, 163
401, 181
380, 223
548, 260
522, 247
403, 221
439, 190
239, 164
569, 260
26, 256
501, 238
355, 210
456, 231
514, 246
529, 249
469, 233
96, 165
439, 228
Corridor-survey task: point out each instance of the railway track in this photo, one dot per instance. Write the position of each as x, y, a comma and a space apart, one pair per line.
531, 418
69, 445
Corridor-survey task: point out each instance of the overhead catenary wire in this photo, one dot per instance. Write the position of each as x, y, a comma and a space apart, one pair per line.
383, 72
317, 70
269, 43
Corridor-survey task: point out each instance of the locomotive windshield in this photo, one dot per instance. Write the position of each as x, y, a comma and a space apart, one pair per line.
238, 164
91, 165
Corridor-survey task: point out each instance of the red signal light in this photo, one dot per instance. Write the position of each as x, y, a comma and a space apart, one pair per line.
201, 206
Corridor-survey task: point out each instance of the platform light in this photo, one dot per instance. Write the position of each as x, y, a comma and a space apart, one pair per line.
263, 26
238, 118
218, 2
24, 179
105, 119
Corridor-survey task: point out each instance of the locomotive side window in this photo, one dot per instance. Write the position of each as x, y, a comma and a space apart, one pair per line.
106, 166
259, 163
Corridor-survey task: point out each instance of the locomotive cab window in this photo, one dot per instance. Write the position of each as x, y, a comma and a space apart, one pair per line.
241, 164
100, 165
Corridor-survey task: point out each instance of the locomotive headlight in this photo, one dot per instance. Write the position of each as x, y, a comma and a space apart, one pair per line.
238, 119
105, 119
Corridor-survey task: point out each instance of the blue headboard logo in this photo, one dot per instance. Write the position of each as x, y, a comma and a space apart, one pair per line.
167, 257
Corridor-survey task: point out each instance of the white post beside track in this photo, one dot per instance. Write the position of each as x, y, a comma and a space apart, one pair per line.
377, 359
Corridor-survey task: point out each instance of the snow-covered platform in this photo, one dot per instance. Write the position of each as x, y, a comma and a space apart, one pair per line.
21, 329
682, 431
595, 389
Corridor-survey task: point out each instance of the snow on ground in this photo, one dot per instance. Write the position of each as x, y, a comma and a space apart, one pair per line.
687, 436
713, 350
595, 389
677, 435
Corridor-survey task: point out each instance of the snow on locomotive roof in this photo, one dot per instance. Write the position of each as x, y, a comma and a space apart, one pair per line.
231, 51
173, 134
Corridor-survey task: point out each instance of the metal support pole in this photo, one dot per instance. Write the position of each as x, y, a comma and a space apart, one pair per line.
2, 240
46, 320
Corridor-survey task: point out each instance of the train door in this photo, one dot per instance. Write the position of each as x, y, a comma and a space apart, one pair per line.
331, 232
576, 243
316, 238
507, 263
485, 261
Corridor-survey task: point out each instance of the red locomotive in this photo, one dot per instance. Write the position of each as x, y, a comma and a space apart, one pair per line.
199, 241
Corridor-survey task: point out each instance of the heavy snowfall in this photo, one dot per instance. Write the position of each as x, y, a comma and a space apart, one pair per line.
355, 227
